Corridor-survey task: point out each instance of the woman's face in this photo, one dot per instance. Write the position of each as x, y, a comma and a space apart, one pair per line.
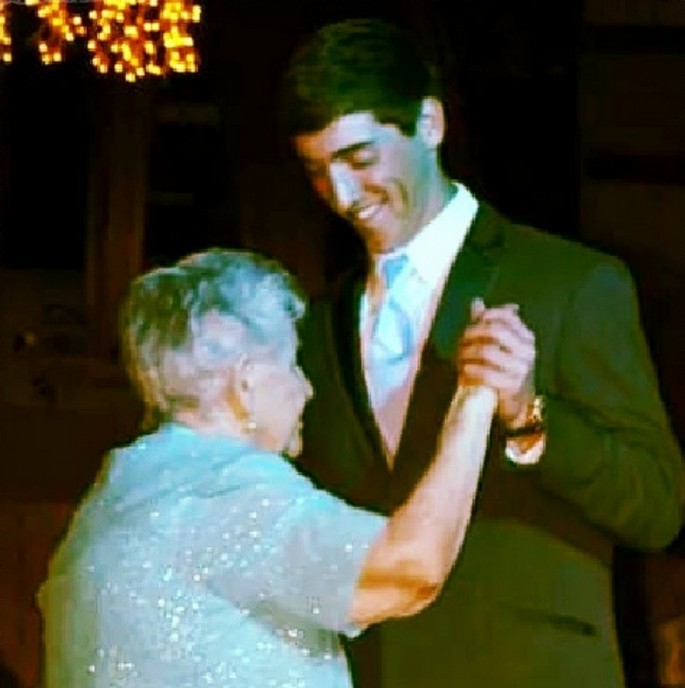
280, 391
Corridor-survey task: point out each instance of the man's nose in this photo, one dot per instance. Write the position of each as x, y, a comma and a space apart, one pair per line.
346, 189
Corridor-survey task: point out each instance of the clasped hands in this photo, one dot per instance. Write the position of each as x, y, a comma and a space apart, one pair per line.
498, 350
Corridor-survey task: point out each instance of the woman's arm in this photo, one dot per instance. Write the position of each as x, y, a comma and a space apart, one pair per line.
409, 561
261, 531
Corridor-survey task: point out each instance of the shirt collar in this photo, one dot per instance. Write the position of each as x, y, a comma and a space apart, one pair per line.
432, 250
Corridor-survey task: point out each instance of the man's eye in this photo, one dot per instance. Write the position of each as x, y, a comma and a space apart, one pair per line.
361, 161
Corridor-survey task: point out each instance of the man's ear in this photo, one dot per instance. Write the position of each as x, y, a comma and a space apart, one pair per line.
431, 123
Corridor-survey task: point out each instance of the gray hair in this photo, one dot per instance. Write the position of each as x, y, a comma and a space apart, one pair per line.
184, 327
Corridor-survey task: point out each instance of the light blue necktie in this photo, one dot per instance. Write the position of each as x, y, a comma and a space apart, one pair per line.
392, 339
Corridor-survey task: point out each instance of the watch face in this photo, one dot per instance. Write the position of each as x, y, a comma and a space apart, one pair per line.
534, 423
537, 412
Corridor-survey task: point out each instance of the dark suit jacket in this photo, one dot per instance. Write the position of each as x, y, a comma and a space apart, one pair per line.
529, 600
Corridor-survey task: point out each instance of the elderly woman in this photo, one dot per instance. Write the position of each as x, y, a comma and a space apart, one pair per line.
201, 557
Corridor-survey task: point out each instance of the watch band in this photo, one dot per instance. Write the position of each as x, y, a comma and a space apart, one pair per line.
534, 423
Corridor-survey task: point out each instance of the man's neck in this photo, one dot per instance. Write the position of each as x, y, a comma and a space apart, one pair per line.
448, 190
445, 190
439, 199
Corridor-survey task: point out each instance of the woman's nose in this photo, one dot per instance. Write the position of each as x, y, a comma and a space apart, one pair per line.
308, 389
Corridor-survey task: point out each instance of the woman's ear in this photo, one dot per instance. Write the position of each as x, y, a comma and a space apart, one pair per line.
241, 390
431, 124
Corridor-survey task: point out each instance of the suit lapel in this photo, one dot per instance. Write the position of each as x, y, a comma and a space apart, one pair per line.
473, 274
349, 347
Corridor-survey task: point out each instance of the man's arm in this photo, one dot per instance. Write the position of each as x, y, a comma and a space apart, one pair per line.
609, 446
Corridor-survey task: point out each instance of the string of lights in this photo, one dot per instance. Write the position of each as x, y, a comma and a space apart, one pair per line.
5, 38
133, 38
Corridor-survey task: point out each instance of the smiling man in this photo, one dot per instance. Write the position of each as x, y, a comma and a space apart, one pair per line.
386, 184
582, 456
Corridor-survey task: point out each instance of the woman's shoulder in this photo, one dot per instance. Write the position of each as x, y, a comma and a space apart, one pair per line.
178, 462
249, 467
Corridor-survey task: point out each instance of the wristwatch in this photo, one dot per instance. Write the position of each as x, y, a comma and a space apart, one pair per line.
534, 423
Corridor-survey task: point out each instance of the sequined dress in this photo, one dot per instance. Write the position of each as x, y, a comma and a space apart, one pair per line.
198, 561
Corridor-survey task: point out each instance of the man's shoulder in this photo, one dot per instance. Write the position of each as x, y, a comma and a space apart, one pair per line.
317, 321
549, 252
338, 288
545, 240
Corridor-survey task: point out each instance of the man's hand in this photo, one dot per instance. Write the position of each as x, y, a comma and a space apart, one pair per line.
497, 350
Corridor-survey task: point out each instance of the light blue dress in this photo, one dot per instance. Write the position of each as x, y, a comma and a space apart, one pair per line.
198, 561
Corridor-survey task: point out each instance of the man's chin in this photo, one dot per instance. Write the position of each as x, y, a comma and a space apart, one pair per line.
377, 242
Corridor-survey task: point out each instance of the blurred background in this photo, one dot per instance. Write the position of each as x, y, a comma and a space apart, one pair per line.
566, 115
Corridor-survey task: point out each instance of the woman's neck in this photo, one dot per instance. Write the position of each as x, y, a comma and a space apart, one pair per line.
214, 424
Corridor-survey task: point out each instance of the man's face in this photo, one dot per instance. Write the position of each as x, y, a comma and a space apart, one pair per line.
383, 182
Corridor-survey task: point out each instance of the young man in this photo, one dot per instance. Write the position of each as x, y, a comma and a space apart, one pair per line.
582, 456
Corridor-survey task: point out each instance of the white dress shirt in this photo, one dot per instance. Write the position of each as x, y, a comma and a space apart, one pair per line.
430, 255
418, 288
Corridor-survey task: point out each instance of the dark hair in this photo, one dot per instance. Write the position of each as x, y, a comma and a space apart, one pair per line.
357, 65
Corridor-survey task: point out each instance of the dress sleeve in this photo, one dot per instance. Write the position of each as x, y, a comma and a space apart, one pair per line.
267, 536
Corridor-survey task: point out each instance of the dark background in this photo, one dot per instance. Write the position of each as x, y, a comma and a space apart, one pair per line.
519, 77
511, 75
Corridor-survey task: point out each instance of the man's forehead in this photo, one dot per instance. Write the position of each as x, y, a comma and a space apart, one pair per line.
346, 133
